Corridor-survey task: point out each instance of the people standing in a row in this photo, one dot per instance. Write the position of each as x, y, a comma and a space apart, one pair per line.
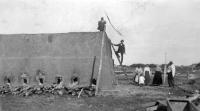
142, 77
171, 73
157, 78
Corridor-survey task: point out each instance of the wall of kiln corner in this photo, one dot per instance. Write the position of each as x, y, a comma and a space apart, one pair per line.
64, 54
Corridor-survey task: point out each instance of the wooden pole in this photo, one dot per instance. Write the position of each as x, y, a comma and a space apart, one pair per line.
165, 69
92, 70
100, 64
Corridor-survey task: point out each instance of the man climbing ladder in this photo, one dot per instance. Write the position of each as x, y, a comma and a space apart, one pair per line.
121, 47
121, 50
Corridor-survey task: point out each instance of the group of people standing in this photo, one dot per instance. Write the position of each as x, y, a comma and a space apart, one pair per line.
144, 75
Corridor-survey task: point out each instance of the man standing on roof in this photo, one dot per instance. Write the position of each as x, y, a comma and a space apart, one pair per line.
102, 25
121, 50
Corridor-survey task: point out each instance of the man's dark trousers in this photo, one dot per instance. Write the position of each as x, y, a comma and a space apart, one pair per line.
170, 79
117, 53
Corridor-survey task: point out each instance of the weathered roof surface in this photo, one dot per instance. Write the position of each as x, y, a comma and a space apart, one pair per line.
61, 44
58, 53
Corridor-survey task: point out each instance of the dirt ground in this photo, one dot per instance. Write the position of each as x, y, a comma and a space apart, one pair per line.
125, 97
128, 99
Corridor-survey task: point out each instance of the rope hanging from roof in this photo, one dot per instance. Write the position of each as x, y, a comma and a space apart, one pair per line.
113, 25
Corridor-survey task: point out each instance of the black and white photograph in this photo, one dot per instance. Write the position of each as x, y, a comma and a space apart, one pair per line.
99, 55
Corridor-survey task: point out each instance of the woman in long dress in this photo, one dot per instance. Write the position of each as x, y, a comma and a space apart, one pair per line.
147, 74
157, 80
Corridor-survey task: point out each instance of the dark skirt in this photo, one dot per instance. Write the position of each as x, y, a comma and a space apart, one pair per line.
157, 80
147, 78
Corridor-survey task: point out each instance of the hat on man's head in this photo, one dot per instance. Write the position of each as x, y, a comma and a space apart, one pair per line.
171, 62
122, 40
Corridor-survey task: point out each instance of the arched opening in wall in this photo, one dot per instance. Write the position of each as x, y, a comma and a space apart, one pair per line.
40, 77
24, 78
41, 80
59, 82
7, 81
25, 81
74, 81
59, 79
94, 82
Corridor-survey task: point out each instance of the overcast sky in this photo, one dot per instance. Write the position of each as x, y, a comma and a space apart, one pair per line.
149, 27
